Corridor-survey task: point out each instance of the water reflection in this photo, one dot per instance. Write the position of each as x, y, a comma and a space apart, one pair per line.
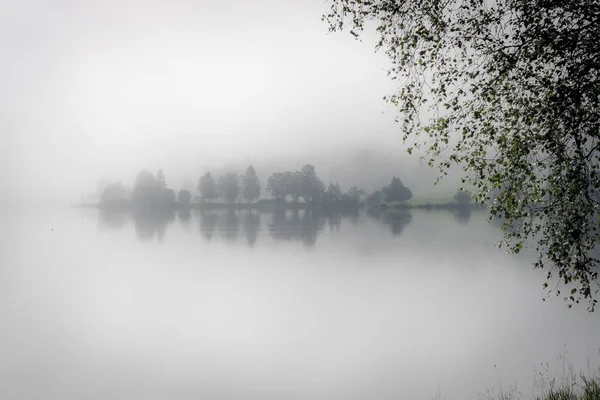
304, 226
113, 220
207, 224
251, 227
394, 318
352, 216
462, 215
230, 226
152, 224
334, 220
184, 214
397, 220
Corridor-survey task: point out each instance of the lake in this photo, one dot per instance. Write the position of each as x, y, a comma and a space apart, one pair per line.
239, 305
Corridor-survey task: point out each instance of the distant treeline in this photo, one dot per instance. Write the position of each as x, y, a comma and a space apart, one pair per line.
300, 187
289, 189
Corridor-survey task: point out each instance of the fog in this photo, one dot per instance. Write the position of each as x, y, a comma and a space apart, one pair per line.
101, 89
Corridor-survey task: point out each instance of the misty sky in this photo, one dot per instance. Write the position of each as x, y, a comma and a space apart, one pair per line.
99, 89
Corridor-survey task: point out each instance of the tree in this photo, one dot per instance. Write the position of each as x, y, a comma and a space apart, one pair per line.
251, 185
113, 193
207, 188
168, 196
354, 194
276, 186
333, 192
509, 91
375, 198
229, 186
145, 189
396, 191
311, 187
462, 198
160, 179
152, 192
184, 197
292, 183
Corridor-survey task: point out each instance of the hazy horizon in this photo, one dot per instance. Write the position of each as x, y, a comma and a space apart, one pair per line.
100, 90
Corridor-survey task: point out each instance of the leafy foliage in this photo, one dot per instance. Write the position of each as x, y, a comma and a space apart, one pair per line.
304, 183
509, 90
396, 191
151, 191
251, 185
208, 188
229, 186
114, 192
184, 197
311, 187
375, 198
333, 192
355, 193
276, 185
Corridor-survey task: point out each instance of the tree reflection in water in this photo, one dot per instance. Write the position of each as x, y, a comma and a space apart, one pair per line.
207, 224
304, 226
112, 220
185, 215
251, 227
462, 215
292, 225
150, 224
397, 220
230, 225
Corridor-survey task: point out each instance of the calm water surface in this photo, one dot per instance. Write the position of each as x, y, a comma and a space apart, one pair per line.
272, 306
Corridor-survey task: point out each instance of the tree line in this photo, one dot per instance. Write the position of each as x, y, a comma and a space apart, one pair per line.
150, 190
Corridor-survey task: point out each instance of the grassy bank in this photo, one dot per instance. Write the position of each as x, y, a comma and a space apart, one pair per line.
560, 382
581, 387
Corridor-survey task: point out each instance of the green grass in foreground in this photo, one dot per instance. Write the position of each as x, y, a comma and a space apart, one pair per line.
569, 385
582, 387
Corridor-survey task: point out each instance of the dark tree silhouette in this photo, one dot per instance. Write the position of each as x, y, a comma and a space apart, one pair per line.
311, 187
375, 198
184, 197
229, 186
152, 192
396, 191
160, 179
333, 192
463, 198
251, 185
354, 194
276, 186
208, 188
292, 183
169, 196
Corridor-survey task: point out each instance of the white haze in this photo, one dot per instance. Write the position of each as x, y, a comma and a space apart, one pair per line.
100, 89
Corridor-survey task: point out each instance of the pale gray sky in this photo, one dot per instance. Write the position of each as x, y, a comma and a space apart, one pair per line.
102, 88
